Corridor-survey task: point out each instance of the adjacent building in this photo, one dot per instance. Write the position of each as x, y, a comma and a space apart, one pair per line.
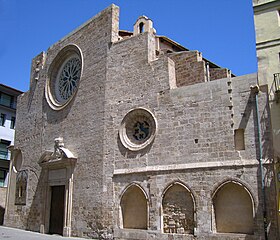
129, 135
8, 102
267, 25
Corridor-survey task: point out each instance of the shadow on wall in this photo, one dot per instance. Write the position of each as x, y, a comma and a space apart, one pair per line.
131, 154
265, 127
275, 117
265, 211
266, 174
266, 130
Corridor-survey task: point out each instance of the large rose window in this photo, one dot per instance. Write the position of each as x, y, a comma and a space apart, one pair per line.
64, 77
68, 79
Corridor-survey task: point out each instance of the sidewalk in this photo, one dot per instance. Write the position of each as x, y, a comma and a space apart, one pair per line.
7, 233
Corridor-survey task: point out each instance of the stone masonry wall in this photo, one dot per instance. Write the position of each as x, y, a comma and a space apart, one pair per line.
193, 145
190, 68
195, 116
80, 124
202, 183
195, 137
195, 169
219, 73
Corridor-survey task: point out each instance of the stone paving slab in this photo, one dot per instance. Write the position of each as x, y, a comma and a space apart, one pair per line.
7, 233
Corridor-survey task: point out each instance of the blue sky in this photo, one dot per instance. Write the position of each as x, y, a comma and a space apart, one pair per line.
223, 30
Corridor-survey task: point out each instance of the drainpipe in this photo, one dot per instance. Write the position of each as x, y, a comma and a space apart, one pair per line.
255, 89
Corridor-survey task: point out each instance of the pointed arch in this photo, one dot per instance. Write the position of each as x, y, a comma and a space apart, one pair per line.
134, 207
178, 209
233, 208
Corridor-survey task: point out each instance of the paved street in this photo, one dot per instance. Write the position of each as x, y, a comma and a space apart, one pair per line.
17, 234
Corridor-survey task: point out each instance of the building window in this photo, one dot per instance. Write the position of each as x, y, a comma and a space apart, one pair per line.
13, 122
3, 174
138, 129
68, 78
2, 119
7, 100
4, 153
64, 77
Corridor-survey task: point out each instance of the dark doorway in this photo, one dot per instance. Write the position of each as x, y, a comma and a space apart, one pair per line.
57, 210
2, 213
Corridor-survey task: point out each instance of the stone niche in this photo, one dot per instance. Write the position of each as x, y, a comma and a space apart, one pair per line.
21, 185
233, 209
134, 203
178, 210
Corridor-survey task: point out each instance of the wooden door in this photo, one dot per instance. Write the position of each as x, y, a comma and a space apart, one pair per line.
57, 210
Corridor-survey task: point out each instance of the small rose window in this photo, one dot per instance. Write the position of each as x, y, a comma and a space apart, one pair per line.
141, 130
138, 129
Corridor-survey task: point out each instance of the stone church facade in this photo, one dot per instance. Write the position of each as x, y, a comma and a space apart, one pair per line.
129, 135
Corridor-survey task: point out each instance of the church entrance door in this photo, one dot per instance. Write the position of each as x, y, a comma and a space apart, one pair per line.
57, 209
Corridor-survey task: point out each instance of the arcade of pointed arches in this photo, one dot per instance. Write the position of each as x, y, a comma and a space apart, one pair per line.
232, 208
